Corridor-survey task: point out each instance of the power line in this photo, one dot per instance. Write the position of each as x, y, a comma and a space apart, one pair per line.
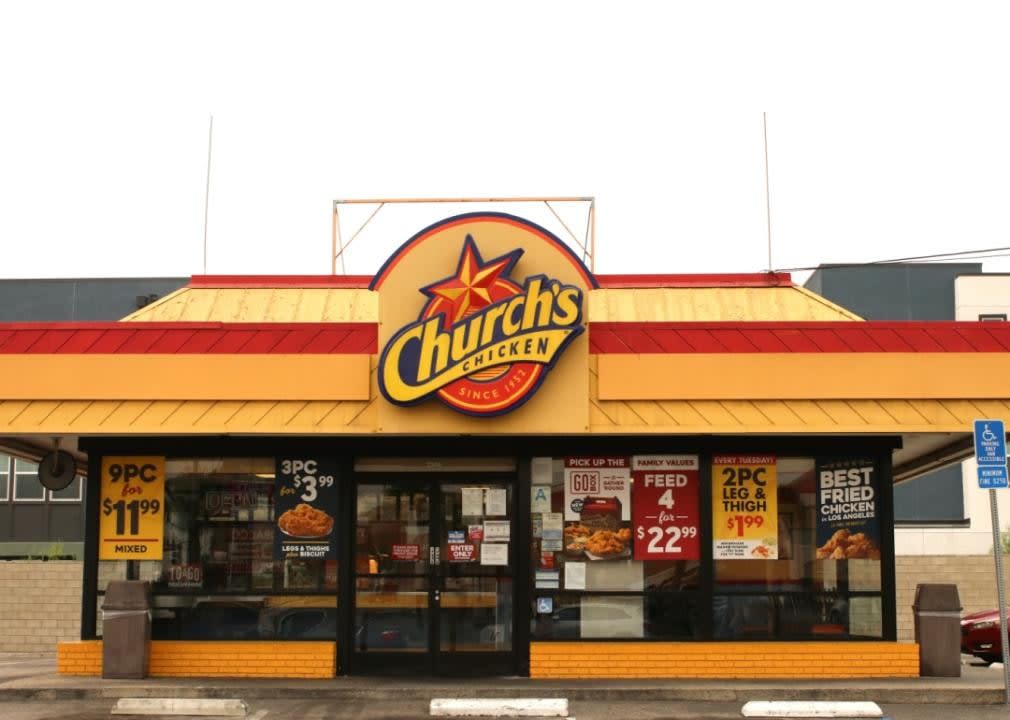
949, 256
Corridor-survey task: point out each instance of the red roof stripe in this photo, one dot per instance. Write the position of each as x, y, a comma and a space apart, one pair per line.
230, 342
111, 340
171, 341
795, 340
734, 340
701, 340
80, 341
188, 338
764, 340
22, 342
798, 337
51, 342
981, 339
323, 338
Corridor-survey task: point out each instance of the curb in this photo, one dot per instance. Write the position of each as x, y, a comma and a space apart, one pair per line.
880, 695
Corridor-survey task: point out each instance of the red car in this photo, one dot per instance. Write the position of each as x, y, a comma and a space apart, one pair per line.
980, 636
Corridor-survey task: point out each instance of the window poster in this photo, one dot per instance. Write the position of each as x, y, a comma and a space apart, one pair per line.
665, 507
131, 525
305, 505
597, 509
496, 502
848, 515
745, 507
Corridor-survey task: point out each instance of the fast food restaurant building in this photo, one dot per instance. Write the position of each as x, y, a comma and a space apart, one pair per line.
485, 459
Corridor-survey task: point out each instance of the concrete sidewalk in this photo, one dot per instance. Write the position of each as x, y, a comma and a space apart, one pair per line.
36, 679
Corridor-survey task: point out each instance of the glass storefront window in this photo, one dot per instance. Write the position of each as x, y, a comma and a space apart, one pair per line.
669, 616
811, 589
219, 577
574, 572
812, 569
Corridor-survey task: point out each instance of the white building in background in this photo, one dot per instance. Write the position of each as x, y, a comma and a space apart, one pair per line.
950, 520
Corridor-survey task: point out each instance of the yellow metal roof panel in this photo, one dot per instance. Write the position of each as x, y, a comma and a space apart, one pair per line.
262, 305
732, 304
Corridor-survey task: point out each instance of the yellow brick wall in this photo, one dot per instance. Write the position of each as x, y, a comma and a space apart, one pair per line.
547, 660
723, 660
179, 658
79, 657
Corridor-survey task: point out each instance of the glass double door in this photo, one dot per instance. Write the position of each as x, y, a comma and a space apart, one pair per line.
433, 580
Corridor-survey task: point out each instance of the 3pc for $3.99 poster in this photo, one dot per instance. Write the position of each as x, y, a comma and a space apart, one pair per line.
745, 507
305, 502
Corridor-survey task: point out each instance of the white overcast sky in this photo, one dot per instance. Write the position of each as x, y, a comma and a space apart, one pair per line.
889, 128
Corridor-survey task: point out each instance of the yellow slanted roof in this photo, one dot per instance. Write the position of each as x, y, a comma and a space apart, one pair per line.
291, 302
262, 305
712, 304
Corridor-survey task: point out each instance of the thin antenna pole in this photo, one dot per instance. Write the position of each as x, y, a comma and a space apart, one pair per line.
768, 194
206, 196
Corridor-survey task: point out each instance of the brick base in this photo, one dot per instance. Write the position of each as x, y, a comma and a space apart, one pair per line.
724, 660
172, 658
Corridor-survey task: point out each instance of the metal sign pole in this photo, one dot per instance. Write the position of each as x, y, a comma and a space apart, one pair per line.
997, 548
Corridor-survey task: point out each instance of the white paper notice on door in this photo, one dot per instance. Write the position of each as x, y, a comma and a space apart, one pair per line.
542, 470
575, 576
496, 502
494, 554
497, 530
473, 502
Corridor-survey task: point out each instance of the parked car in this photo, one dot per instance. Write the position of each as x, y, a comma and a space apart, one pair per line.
980, 636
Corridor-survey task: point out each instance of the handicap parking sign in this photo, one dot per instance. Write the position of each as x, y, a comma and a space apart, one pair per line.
990, 453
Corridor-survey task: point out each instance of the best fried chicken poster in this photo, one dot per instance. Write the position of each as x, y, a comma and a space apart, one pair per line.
848, 519
597, 508
305, 506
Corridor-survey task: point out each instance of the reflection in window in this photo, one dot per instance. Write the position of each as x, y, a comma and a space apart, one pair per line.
5, 473
797, 595
26, 481
71, 493
218, 578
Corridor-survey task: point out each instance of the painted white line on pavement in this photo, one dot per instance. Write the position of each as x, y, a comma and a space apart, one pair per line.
259, 715
499, 707
811, 709
180, 706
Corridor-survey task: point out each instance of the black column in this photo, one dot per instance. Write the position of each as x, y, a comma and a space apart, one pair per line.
89, 581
